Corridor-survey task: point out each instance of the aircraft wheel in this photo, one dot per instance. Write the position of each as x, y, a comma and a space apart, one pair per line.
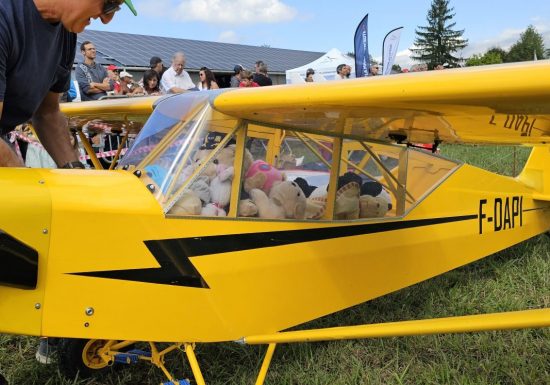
80, 356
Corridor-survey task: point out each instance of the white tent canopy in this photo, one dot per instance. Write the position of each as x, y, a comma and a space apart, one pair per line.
325, 67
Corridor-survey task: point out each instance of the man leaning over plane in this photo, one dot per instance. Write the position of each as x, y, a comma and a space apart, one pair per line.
37, 50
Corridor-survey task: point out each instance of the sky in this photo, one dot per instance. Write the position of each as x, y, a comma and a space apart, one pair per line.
321, 25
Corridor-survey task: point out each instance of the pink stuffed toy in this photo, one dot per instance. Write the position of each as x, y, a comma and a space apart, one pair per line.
262, 175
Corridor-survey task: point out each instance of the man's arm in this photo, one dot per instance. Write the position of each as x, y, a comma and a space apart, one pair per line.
51, 127
102, 87
168, 84
176, 90
8, 158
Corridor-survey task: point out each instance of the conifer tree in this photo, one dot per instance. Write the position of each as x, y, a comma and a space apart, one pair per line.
529, 45
437, 42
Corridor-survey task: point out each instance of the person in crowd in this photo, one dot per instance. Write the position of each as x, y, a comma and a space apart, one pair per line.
236, 78
260, 76
93, 79
151, 83
156, 65
37, 50
113, 73
128, 86
175, 79
247, 79
70, 95
309, 75
342, 72
207, 80
419, 67
439, 67
374, 70
31, 84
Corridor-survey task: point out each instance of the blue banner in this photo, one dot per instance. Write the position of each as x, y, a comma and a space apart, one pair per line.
362, 61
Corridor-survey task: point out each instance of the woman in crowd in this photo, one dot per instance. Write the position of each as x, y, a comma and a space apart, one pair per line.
151, 83
247, 79
207, 80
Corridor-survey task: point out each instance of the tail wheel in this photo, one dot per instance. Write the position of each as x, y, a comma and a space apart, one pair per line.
80, 356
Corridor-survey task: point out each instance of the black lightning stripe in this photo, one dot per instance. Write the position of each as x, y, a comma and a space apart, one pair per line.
176, 268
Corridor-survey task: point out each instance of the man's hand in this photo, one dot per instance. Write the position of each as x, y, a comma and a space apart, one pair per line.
51, 127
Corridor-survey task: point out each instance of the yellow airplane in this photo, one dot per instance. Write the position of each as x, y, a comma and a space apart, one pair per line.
237, 214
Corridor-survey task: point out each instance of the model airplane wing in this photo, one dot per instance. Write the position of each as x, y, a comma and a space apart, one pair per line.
490, 104
117, 114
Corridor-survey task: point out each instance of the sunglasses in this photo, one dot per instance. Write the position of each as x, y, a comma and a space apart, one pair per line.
111, 6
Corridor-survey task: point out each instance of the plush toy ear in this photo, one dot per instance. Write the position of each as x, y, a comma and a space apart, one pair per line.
315, 207
247, 208
255, 181
300, 210
188, 204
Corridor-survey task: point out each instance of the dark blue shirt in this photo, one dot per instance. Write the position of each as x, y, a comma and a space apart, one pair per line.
35, 57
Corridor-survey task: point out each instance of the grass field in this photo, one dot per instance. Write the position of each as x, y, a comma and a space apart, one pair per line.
515, 279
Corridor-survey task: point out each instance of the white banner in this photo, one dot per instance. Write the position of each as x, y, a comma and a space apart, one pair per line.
391, 43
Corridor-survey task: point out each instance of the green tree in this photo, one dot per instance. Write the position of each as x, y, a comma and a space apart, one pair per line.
498, 52
437, 42
487, 58
530, 43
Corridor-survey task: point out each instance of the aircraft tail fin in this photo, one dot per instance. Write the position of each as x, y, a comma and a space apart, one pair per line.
536, 172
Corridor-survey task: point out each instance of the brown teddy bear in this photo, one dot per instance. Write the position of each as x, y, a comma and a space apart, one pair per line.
286, 200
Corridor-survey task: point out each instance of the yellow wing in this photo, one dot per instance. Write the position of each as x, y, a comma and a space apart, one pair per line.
490, 104
127, 114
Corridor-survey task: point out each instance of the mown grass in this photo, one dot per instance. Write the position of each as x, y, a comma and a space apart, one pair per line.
517, 278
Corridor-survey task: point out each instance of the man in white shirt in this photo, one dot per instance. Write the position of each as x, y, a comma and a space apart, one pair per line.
175, 79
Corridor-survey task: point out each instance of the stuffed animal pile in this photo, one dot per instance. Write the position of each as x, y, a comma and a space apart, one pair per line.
267, 194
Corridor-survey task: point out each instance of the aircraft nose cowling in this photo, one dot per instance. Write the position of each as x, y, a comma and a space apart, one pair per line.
25, 220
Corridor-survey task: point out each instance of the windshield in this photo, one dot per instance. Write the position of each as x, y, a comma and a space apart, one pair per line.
168, 146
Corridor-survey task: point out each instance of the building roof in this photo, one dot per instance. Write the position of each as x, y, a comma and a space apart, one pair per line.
130, 50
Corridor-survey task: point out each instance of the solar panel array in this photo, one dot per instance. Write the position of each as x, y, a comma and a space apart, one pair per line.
130, 50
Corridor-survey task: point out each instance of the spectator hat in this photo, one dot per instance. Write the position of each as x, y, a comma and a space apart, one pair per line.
125, 74
238, 68
154, 61
112, 67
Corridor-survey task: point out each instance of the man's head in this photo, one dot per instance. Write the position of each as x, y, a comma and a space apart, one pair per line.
374, 69
261, 68
126, 77
76, 15
309, 75
178, 62
156, 64
238, 69
87, 49
258, 65
343, 70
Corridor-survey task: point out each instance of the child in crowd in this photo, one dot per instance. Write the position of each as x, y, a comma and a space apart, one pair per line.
246, 79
